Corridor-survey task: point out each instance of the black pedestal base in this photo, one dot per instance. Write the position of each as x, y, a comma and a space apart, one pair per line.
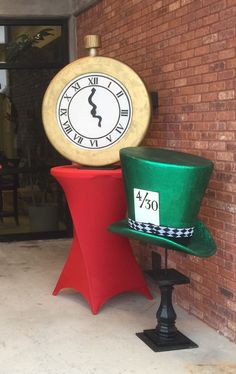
158, 344
166, 337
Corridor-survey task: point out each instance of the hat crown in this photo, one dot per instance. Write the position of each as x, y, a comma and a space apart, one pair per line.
180, 180
165, 156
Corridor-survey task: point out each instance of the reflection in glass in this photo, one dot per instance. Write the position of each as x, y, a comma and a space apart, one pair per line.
31, 45
27, 189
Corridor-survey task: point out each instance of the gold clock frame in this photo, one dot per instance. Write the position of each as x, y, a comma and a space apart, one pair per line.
141, 109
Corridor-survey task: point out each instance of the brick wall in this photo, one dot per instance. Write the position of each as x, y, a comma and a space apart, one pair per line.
185, 50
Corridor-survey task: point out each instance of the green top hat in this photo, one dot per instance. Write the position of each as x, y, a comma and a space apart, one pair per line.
164, 191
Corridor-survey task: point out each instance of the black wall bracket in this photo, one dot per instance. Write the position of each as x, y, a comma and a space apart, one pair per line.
154, 101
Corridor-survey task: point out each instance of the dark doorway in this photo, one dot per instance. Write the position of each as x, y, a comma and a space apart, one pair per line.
31, 53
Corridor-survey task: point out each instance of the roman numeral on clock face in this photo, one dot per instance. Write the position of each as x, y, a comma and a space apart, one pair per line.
93, 80
78, 138
67, 128
119, 128
124, 113
94, 143
76, 86
63, 112
119, 94
108, 137
67, 97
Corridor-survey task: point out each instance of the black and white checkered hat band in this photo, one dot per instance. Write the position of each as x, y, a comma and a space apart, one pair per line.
169, 232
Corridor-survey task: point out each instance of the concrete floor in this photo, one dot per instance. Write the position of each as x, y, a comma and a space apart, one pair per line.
43, 334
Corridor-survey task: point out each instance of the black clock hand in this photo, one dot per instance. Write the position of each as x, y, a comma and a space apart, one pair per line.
94, 110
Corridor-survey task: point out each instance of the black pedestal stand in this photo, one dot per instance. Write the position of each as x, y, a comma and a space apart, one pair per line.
166, 337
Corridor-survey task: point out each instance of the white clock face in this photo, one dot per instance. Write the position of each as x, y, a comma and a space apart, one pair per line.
94, 111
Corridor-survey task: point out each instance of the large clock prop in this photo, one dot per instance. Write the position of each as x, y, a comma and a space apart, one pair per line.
94, 107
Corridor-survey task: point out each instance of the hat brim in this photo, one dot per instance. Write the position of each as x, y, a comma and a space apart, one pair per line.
200, 245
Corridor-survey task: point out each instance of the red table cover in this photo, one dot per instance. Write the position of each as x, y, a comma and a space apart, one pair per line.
100, 264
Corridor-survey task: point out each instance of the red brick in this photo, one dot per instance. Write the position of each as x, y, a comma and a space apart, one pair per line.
227, 34
187, 90
202, 31
218, 224
231, 63
227, 74
226, 95
231, 187
201, 69
218, 6
168, 67
231, 125
181, 64
194, 98
225, 156
202, 88
201, 107
231, 146
180, 82
196, 295
210, 77
226, 217
195, 43
224, 196
210, 38
187, 54
218, 146
228, 13
222, 25
218, 105
202, 50
211, 96
230, 227
194, 61
209, 58
173, 6
221, 116
195, 79
231, 43
217, 66
227, 53
187, 36
213, 18
208, 2
232, 327
185, 2
219, 46
209, 135
181, 29
217, 86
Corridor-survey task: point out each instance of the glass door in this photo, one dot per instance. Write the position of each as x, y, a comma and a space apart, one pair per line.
32, 204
